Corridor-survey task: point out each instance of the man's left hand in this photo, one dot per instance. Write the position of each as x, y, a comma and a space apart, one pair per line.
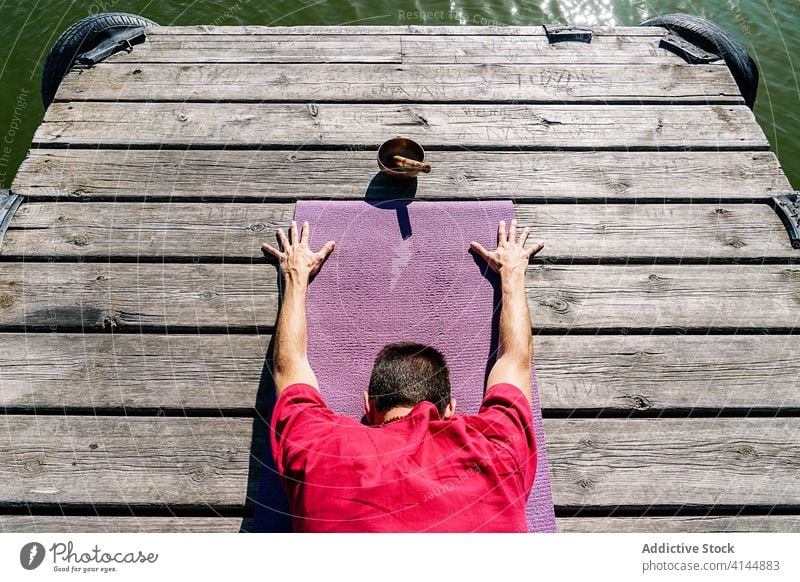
298, 263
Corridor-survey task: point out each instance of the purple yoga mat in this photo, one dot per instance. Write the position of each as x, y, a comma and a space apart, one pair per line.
402, 271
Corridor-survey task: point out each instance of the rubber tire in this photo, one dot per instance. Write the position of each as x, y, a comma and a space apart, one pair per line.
713, 38
82, 36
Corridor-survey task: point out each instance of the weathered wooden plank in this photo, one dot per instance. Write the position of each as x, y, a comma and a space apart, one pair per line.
718, 524
439, 125
132, 371
614, 372
697, 231
142, 460
649, 373
115, 295
664, 296
610, 50
674, 461
441, 49
401, 83
124, 524
521, 176
298, 48
129, 461
563, 297
119, 524
473, 28
108, 229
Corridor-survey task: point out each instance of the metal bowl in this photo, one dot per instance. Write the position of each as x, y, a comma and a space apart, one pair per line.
399, 146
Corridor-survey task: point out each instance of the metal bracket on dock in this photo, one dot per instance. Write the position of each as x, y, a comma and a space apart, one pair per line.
567, 33
9, 203
689, 52
788, 207
121, 40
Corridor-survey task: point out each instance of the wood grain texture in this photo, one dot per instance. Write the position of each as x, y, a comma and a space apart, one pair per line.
721, 524
77, 524
118, 295
570, 231
119, 524
128, 295
286, 48
401, 83
127, 461
520, 49
698, 231
251, 31
674, 461
175, 371
360, 125
140, 460
408, 49
651, 373
224, 372
351, 173
109, 229
664, 296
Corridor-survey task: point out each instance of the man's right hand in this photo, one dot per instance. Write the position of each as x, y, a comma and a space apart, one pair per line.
511, 255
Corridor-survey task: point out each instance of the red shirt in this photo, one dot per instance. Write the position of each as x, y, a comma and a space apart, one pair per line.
419, 473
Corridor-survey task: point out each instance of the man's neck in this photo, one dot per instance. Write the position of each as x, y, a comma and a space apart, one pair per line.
394, 413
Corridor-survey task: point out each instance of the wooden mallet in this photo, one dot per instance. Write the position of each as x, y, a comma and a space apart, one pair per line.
405, 162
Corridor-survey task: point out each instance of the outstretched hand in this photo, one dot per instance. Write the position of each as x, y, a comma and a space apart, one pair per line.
297, 261
511, 255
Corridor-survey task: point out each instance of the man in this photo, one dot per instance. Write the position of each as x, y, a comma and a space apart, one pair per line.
416, 466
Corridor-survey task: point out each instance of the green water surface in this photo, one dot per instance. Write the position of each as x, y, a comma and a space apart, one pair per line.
769, 30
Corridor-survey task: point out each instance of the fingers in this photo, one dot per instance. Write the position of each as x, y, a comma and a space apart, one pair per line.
282, 239
501, 233
478, 248
512, 232
321, 256
523, 238
326, 249
305, 234
535, 248
271, 250
293, 233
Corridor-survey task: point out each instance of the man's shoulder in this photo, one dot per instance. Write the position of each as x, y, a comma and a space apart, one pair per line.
300, 390
504, 394
504, 411
305, 404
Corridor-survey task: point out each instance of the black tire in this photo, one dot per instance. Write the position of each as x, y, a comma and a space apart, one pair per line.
712, 38
82, 36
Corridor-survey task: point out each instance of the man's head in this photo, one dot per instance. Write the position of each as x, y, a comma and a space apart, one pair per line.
404, 375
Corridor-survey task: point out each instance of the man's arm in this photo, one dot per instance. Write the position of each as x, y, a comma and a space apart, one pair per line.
515, 342
297, 265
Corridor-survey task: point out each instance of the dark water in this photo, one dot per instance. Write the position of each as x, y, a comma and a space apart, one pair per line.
769, 29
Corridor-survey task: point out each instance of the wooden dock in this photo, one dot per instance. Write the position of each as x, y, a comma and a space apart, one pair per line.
136, 307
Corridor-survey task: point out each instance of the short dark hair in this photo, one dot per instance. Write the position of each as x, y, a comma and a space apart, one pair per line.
406, 374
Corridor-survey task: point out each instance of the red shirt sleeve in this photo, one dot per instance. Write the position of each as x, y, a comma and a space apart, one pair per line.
300, 418
506, 419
